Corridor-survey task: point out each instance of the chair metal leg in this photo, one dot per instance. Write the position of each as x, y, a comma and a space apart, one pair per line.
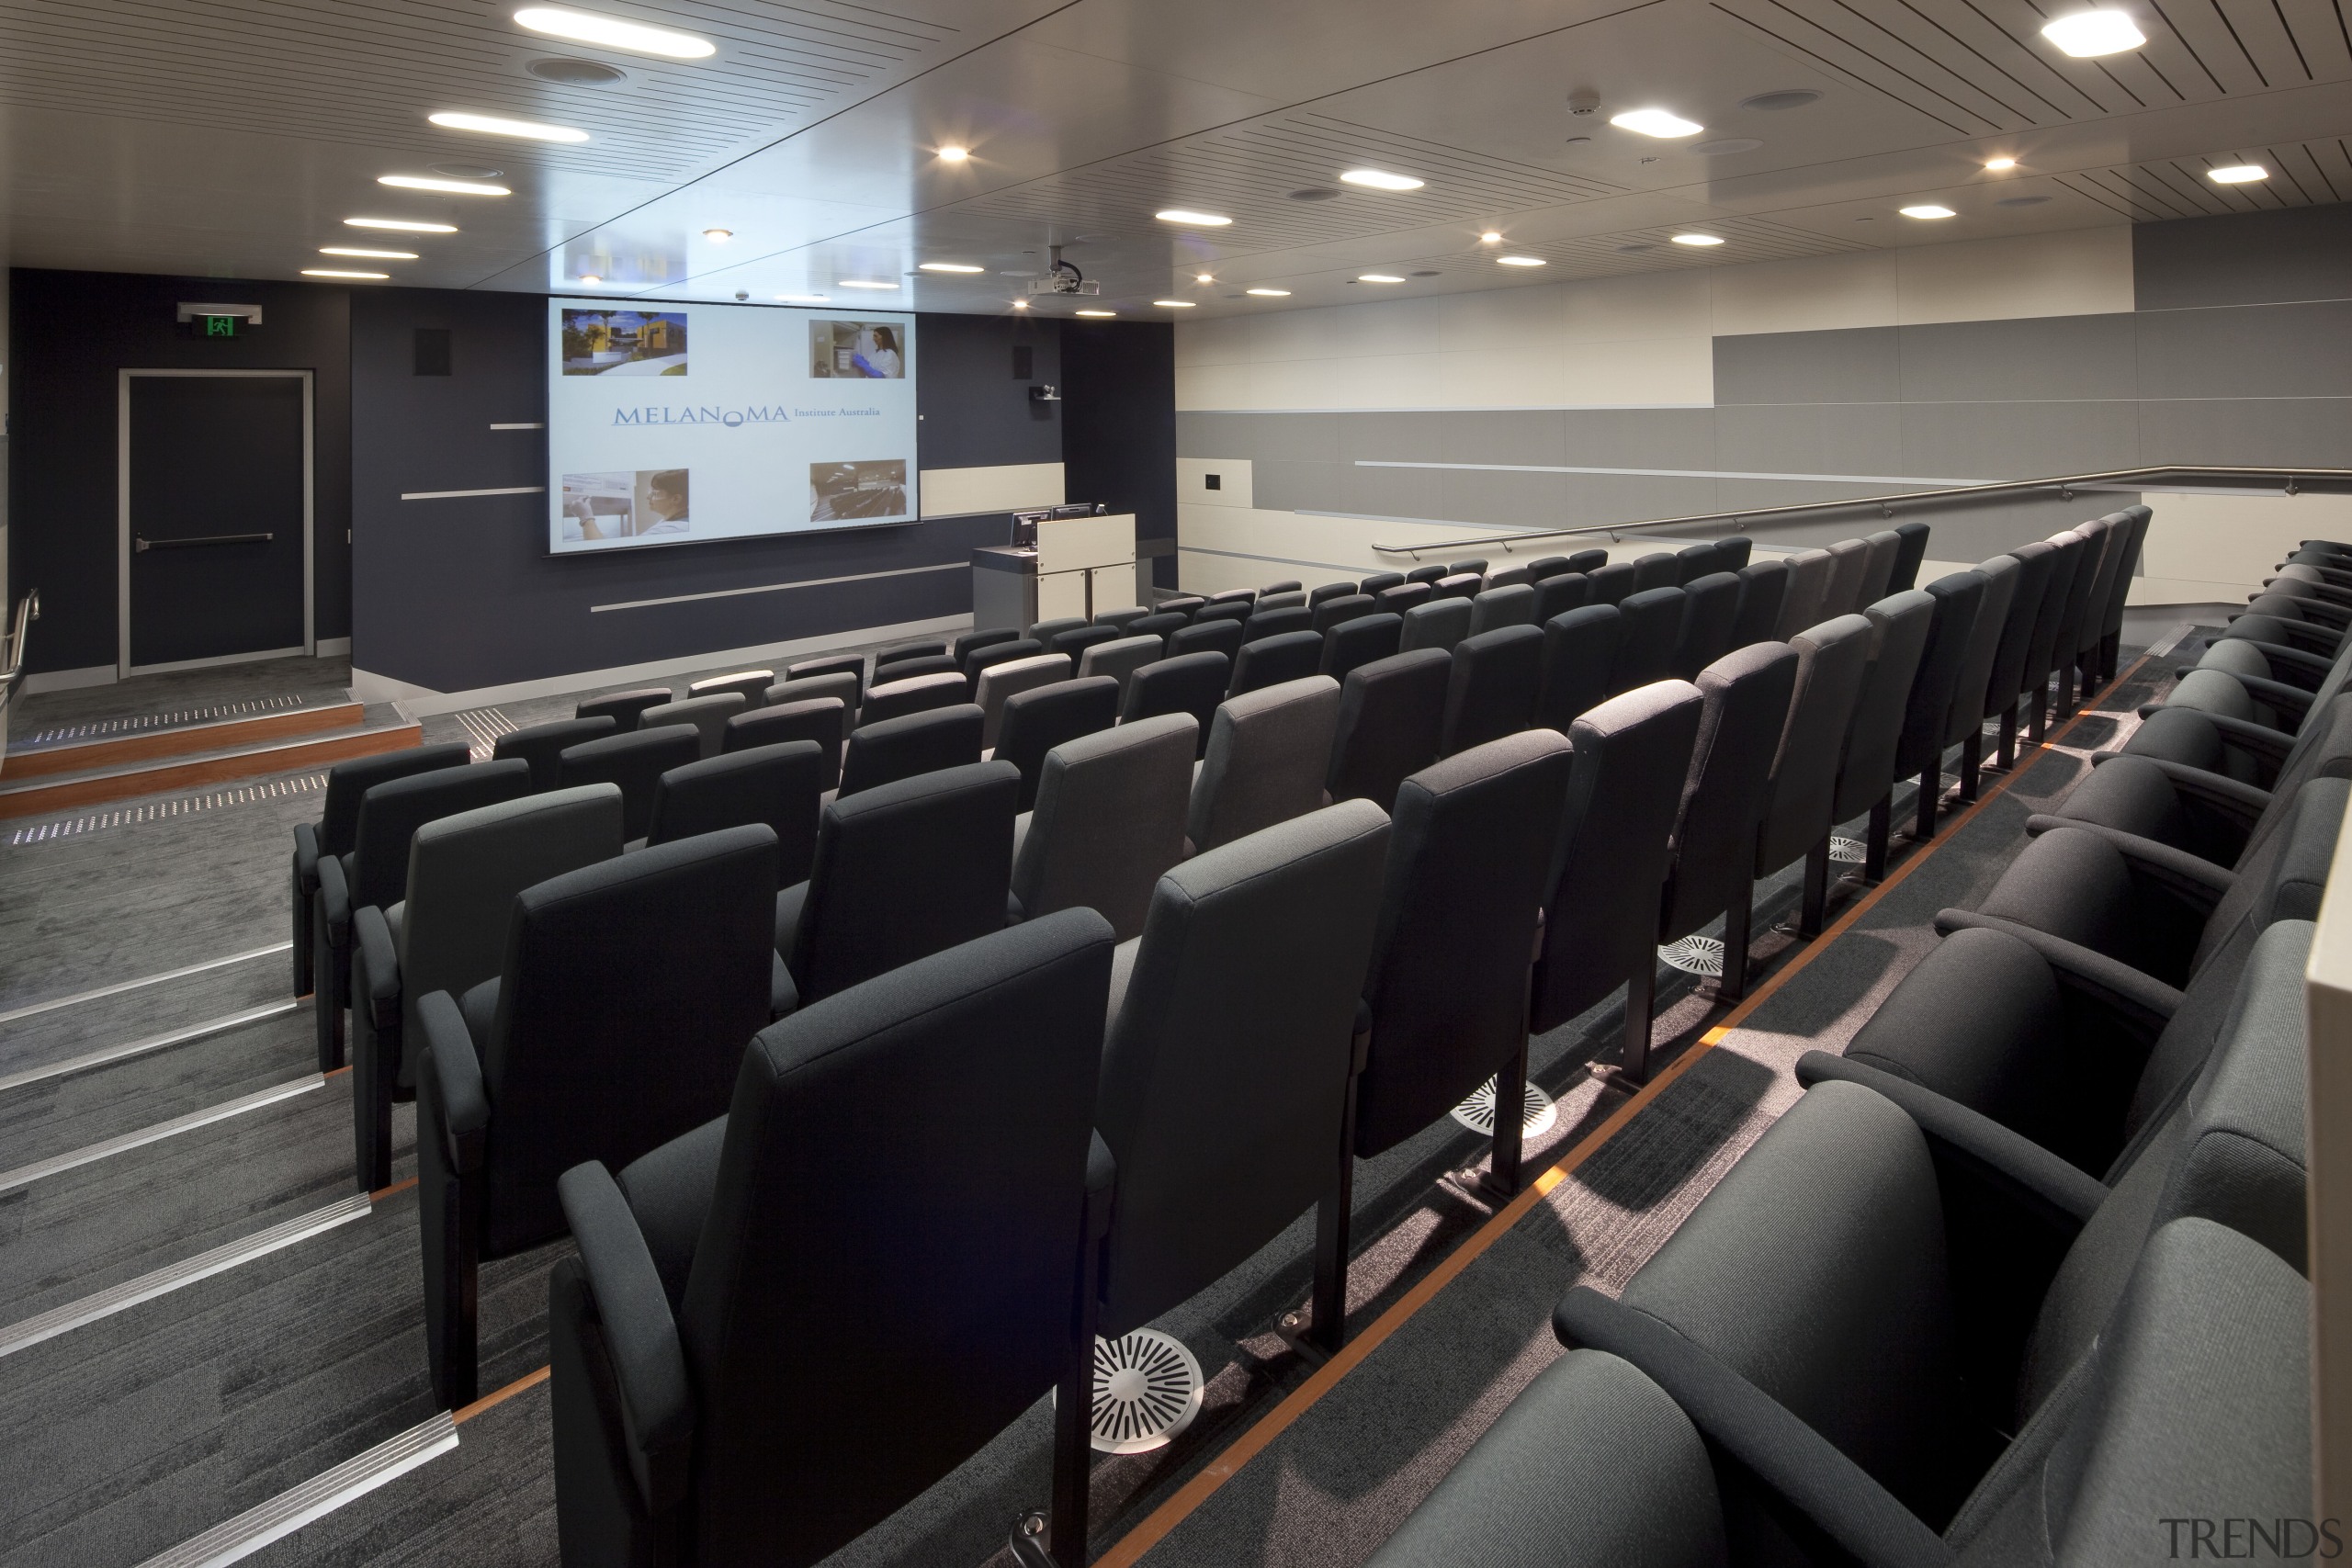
375, 1075
1732, 985
1326, 1329
1931, 789
1811, 912
1641, 1005
1881, 830
2007, 757
1972, 757
2065, 706
2110, 653
452, 1248
330, 990
2039, 698
1074, 1410
1510, 1120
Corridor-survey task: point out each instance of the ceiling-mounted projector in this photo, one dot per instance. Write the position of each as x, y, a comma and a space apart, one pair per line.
1062, 278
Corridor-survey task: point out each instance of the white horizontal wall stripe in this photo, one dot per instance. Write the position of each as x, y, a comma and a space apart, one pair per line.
777, 587
1668, 473
457, 494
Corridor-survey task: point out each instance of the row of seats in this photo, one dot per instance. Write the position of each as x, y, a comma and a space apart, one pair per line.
2020, 1279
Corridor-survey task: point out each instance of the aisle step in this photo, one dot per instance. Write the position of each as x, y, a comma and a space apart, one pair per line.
177, 740
41, 798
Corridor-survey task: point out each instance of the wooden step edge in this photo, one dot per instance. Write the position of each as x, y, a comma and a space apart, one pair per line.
37, 800
119, 750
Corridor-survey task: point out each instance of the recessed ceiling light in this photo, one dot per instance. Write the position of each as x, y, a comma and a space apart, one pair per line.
453, 188
400, 225
1698, 239
1926, 209
1203, 278
2238, 174
1101, 314
1174, 304
1656, 122
366, 255
1379, 278
466, 171
330, 272
1999, 165
591, 279
1519, 261
1381, 179
948, 267
718, 236
1186, 215
582, 26
494, 125
1787, 98
954, 155
1020, 304
1269, 293
1490, 238
2086, 35
802, 298
862, 283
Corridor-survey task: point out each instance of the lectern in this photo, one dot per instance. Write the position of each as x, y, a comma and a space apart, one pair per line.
1079, 566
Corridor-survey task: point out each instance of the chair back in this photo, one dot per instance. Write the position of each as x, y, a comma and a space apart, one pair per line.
778, 786
2127, 566
1044, 632
1909, 551
348, 783
901, 748
1270, 660
1657, 569
752, 684
2007, 673
1321, 592
1510, 606
1399, 597
1589, 562
2042, 653
1495, 679
1000, 682
1119, 658
1649, 628
1710, 607
1745, 699
2110, 532
893, 655
917, 693
1188, 683
1879, 567
1339, 608
1380, 581
1162, 625
1438, 623
709, 716
821, 721
635, 762
1850, 561
833, 664
1579, 650
1123, 618
1899, 626
391, 812
1041, 718
1692, 562
622, 707
1458, 585
1353, 644
1957, 596
995, 653
1221, 635
1831, 659
1808, 588
1230, 609
541, 745
838, 684
1392, 718
1109, 819
1610, 584
1763, 587
1266, 623
1559, 594
1073, 643
1429, 574
971, 642
1964, 716
1267, 756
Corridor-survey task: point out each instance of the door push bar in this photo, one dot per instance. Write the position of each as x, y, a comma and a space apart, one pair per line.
143, 545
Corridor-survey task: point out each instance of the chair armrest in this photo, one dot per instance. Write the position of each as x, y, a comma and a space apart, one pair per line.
448, 1055
2302, 588
2054, 1194
2140, 1003
2241, 803
2279, 694
380, 967
1826, 1491
2311, 637
334, 895
306, 855
2282, 656
640, 1337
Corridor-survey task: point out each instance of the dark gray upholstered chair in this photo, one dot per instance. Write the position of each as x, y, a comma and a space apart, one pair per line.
915, 664
994, 654
1234, 596
635, 762
2313, 625
1439, 622
2135, 520
541, 745
375, 872
1275, 623
708, 1389
751, 684
1037, 721
2082, 658
1711, 865
1471, 841
1429, 574
709, 716
1342, 608
1579, 651
898, 749
1557, 594
777, 785
1511, 605
1192, 682
971, 642
1475, 567
1964, 717
2204, 811
1161, 624
1272, 599
1692, 562
1497, 675
1910, 550
1319, 594
1251, 970
1657, 569
1287, 585
1380, 581
1392, 717
1221, 635
1649, 628
1120, 658
1547, 565
1399, 597
1234, 609
1899, 628
822, 722
1609, 862
1609, 583
449, 933
1588, 561
1763, 585
1044, 632
622, 707
331, 836
2040, 659
1732, 552
933, 649
616, 1022
1268, 754
1074, 643
1808, 591
1832, 659
1710, 608
1849, 562
838, 684
2224, 715
999, 683
833, 664
1458, 585
1109, 819
904, 870
917, 693
2007, 673
1270, 660
1358, 642
1185, 605
1878, 569
1509, 577
2093, 538
1951, 634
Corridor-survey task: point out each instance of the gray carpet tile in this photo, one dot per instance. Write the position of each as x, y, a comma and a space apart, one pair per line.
178, 692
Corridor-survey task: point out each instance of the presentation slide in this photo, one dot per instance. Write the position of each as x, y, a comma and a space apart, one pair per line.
672, 424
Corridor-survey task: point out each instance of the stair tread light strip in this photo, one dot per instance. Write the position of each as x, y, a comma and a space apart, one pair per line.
314, 1499
23, 1174
110, 1054
12, 1014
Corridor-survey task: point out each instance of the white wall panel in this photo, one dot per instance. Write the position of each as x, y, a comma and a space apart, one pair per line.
2087, 272
1807, 294
1234, 477
1006, 487
2207, 549
1644, 306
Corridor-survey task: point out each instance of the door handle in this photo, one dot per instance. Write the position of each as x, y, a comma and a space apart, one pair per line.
141, 544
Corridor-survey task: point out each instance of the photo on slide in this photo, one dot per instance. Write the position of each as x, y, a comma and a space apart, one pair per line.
854, 351
842, 490
623, 343
626, 505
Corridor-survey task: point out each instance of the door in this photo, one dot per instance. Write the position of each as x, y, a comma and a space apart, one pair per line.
215, 520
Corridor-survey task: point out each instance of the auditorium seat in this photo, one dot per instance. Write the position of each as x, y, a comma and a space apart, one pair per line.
1073, 643
838, 684
1732, 552
1339, 608
1000, 682
1237, 609
1509, 577
635, 762
616, 1022
1109, 819
1185, 604
1579, 649
1495, 678
1850, 561
1588, 561
894, 749
904, 870
1392, 718
916, 693
820, 721
1475, 567
1763, 587
1964, 714
1270, 660
1265, 761
1951, 633
1120, 658
1600, 899
2008, 672
1190, 684
1380, 582
622, 707
1265, 622
2208, 814
541, 745
754, 684
1709, 606
971, 642
1507, 606
2082, 653
1656, 569
1038, 720
708, 715
1160, 624
1458, 585
1122, 618
1221, 635
1692, 562
2111, 615
1360, 641
375, 872
1428, 574
1225, 1067
449, 933
1399, 597
833, 664
1650, 625
984, 659
1044, 632
1436, 623
1609, 584
1865, 782
1832, 659
1808, 591
2086, 603
776, 785
1557, 594
2042, 653
702, 1392
1321, 592
1910, 550
1878, 569
915, 664
331, 835
1234, 596
1280, 596
1547, 567
904, 652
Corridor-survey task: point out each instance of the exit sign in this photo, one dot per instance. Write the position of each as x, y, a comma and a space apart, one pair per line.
220, 326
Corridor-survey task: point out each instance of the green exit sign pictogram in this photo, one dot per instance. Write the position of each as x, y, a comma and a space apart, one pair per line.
220, 326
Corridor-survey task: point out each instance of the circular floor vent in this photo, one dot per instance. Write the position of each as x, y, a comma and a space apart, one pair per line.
1849, 852
1477, 1113
1693, 955
1147, 1389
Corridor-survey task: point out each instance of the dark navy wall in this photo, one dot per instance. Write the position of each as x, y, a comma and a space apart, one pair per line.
1119, 426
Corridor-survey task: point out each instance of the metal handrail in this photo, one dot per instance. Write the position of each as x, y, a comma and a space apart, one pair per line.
2292, 481
28, 612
